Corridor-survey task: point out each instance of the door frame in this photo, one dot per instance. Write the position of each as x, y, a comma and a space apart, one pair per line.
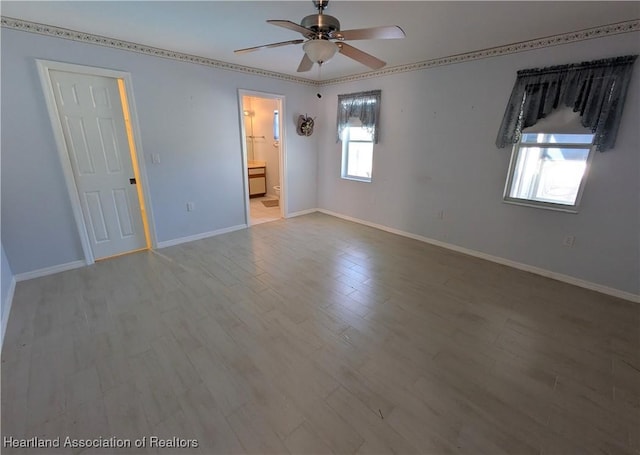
282, 157
44, 66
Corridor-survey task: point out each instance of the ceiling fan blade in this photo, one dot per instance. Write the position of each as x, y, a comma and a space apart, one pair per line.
305, 64
386, 32
292, 26
265, 46
360, 56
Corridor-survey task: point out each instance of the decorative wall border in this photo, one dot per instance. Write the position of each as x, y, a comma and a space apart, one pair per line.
539, 43
523, 46
58, 32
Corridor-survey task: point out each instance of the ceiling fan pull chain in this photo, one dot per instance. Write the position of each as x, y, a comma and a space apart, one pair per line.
319, 95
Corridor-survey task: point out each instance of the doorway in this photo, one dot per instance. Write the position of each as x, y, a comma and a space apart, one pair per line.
263, 156
94, 123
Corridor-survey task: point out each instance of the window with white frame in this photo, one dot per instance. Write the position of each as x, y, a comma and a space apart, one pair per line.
357, 153
549, 170
549, 162
357, 125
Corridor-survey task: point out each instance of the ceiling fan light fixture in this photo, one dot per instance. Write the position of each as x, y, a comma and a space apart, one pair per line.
320, 50
323, 38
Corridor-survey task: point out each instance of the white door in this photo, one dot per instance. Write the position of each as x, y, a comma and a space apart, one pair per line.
93, 125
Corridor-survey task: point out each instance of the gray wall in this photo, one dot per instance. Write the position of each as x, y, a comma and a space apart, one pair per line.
187, 113
437, 152
5, 285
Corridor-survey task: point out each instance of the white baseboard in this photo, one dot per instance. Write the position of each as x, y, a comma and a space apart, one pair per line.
77, 264
6, 310
201, 236
516, 265
50, 270
301, 212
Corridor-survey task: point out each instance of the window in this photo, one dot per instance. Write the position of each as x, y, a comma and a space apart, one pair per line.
548, 170
357, 125
276, 125
357, 153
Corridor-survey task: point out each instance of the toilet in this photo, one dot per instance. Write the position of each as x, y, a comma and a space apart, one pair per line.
276, 188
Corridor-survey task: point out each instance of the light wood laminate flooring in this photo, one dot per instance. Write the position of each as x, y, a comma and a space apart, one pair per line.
317, 335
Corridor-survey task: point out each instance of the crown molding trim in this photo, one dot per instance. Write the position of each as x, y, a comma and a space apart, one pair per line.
523, 46
64, 33
539, 43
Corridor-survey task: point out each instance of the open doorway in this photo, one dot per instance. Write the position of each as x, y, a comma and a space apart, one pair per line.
263, 156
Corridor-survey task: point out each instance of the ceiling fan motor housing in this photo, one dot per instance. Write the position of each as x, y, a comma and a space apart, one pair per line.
321, 24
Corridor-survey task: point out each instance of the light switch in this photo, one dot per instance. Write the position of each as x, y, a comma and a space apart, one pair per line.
155, 158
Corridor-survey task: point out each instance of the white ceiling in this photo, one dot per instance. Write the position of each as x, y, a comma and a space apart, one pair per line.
213, 29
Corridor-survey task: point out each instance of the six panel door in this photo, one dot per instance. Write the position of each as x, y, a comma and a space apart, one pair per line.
93, 124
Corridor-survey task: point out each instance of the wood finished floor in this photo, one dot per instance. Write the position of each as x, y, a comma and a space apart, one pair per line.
317, 335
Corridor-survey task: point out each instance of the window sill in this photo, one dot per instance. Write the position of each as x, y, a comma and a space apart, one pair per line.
542, 205
355, 179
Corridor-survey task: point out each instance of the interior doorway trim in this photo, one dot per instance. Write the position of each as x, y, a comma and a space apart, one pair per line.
44, 67
284, 208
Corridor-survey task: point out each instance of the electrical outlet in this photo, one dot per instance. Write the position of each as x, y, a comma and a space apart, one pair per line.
569, 240
190, 206
441, 214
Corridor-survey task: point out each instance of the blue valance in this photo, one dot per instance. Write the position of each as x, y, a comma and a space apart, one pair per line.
362, 105
596, 90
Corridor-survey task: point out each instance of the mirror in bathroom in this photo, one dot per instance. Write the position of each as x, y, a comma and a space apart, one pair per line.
276, 125
248, 128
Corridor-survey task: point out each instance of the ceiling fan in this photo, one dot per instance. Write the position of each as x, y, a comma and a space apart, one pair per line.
323, 38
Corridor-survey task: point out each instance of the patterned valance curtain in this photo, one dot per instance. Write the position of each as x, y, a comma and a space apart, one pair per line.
596, 90
364, 106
